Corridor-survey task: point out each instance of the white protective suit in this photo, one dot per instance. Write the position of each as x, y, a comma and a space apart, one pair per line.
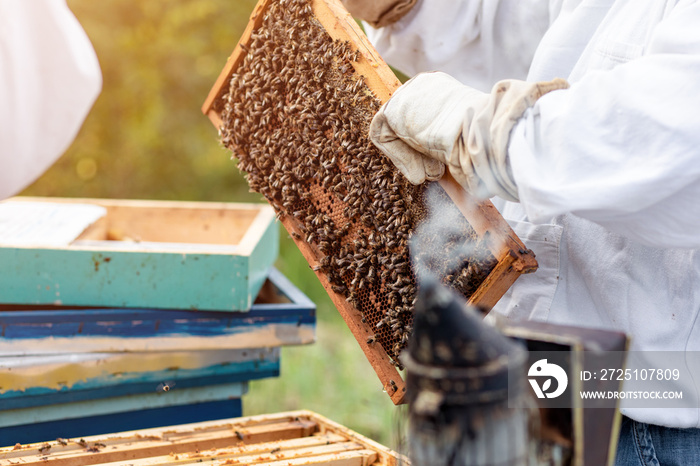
607, 171
49, 79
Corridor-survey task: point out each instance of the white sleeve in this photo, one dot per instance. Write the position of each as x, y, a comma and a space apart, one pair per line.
49, 79
621, 147
478, 42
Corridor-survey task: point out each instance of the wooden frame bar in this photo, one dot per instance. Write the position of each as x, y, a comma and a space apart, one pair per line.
293, 438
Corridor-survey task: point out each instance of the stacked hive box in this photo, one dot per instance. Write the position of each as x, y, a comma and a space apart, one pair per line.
117, 356
284, 439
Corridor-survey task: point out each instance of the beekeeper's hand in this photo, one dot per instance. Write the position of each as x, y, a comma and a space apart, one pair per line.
379, 13
433, 120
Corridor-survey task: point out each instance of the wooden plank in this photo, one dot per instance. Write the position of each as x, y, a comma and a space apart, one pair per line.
154, 442
120, 404
283, 316
39, 381
109, 330
265, 453
496, 283
221, 85
239, 453
298, 437
168, 221
349, 458
488, 222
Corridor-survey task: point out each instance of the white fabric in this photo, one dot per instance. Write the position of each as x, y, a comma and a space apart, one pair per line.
435, 118
477, 42
609, 169
49, 79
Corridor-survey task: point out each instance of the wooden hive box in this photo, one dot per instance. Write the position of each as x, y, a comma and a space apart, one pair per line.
123, 253
289, 439
282, 315
313, 172
74, 372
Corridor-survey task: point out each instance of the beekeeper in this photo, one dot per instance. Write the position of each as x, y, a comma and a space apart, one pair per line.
592, 152
49, 79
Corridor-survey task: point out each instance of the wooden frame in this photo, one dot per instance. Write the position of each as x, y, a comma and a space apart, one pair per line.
293, 438
513, 256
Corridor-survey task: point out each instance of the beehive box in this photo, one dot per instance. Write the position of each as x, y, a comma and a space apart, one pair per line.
166, 367
282, 315
152, 254
152, 408
293, 438
294, 103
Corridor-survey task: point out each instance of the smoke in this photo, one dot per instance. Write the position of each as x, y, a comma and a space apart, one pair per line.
446, 247
458, 367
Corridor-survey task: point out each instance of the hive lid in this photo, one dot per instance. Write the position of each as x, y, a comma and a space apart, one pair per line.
128, 253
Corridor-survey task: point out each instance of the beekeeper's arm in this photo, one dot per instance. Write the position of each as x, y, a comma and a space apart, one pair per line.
476, 41
619, 147
49, 79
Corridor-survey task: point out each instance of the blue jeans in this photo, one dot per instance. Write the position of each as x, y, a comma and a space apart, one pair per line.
649, 445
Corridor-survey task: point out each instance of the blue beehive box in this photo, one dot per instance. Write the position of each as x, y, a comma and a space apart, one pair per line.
149, 254
67, 372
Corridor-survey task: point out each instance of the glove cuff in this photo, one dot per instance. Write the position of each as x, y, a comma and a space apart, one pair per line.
508, 101
379, 13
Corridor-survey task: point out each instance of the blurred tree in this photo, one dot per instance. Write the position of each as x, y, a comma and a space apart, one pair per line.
145, 136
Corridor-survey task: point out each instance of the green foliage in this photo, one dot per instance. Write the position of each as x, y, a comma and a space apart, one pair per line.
146, 138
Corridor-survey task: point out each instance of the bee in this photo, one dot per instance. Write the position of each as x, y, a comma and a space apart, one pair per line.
371, 339
339, 289
62, 441
165, 386
45, 448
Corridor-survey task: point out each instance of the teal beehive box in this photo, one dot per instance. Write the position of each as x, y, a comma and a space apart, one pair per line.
126, 253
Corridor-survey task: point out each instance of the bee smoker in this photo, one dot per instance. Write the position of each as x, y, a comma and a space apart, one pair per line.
457, 386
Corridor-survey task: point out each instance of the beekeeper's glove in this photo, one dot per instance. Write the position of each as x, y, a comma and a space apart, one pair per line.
379, 13
433, 120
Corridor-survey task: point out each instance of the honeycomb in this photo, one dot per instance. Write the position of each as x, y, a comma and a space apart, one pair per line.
296, 116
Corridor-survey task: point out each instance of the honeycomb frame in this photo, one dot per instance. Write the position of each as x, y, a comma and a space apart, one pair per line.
512, 257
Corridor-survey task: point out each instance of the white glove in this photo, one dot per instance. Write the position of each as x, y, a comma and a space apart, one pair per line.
433, 120
379, 13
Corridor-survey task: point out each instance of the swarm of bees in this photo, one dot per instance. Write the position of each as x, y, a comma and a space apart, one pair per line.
296, 116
